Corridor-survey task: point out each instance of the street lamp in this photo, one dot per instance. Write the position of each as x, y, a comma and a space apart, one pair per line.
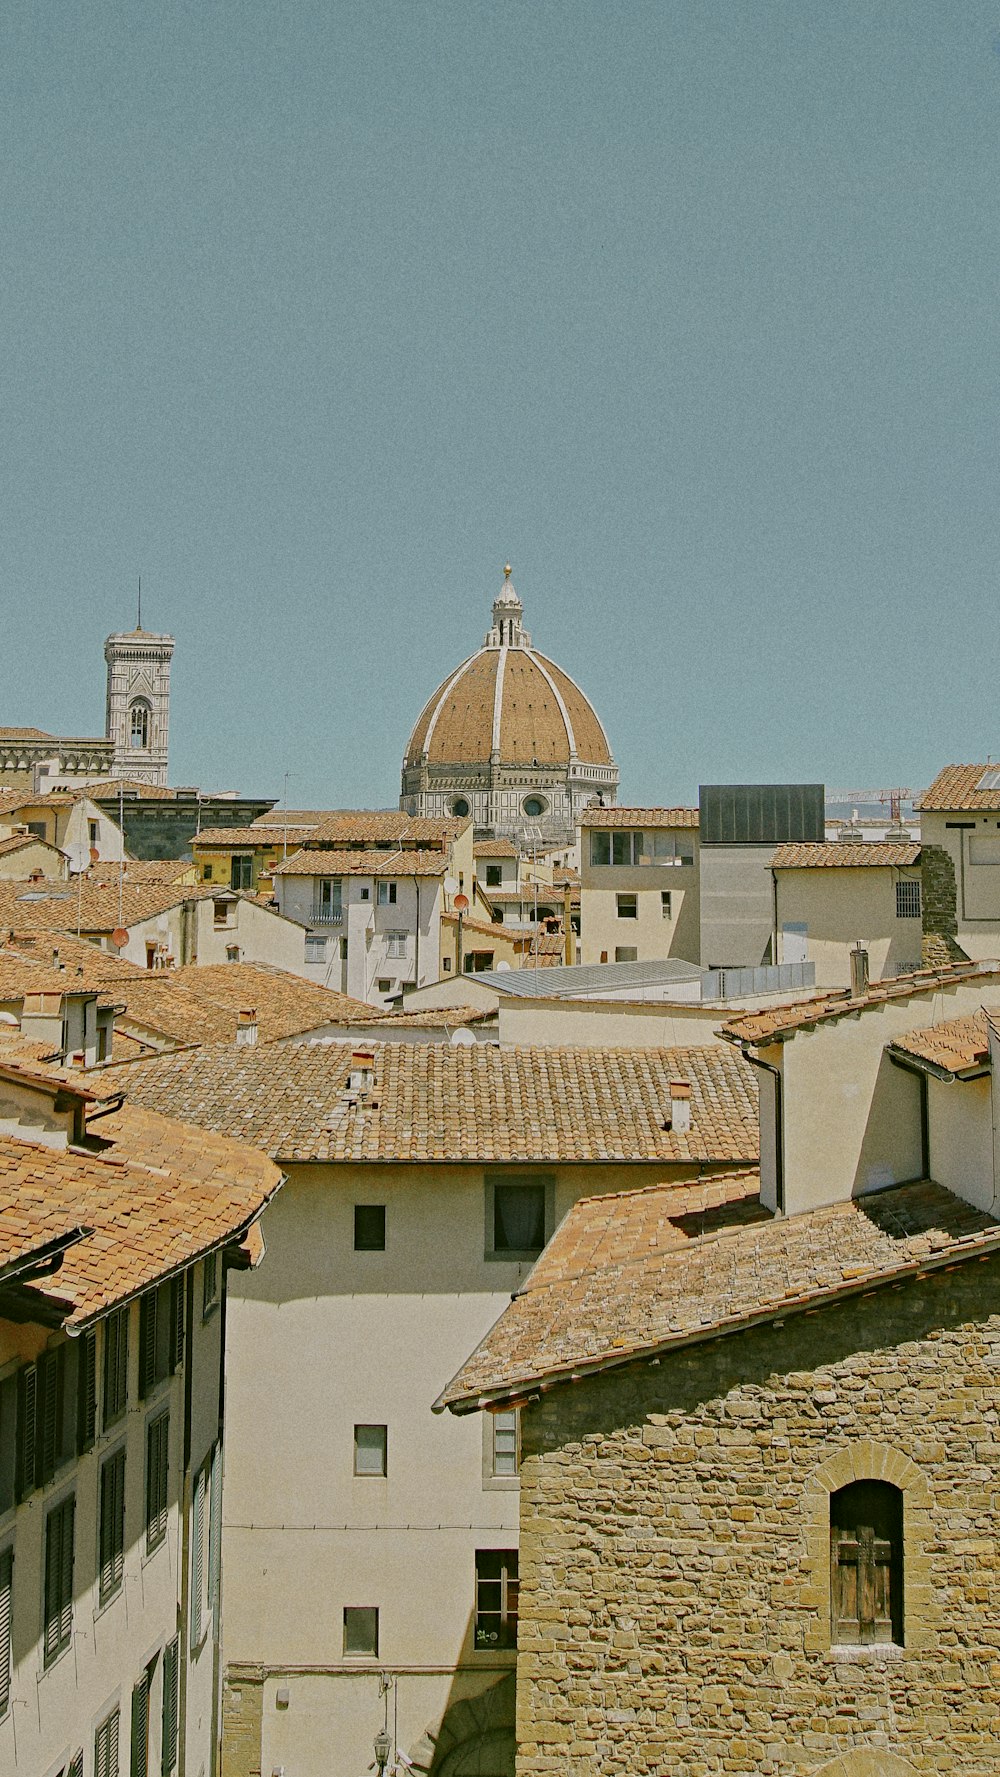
383, 1747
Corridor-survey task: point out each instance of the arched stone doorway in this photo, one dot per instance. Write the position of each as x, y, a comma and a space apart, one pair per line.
475, 1737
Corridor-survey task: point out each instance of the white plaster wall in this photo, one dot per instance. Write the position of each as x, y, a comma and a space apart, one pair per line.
960, 1138
839, 906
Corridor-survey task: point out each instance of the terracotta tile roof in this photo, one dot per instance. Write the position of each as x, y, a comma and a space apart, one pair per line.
267, 839
492, 927
443, 1018
954, 790
954, 1046
79, 961
159, 870
286, 1005
17, 842
316, 862
25, 734
94, 906
161, 1195
775, 1023
374, 826
434, 1103
852, 854
638, 1272
639, 817
105, 788
495, 848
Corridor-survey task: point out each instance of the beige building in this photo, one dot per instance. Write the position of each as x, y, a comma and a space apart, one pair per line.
422, 1182
758, 1507
639, 877
829, 898
960, 818
117, 1231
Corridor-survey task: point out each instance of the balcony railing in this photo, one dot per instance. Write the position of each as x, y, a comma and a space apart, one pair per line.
326, 915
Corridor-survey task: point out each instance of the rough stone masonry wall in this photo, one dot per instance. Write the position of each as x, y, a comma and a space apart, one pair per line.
939, 908
674, 1550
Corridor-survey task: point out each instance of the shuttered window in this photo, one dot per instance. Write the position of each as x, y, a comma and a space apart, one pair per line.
157, 1474
177, 1322
168, 1738
27, 1429
106, 1747
214, 1588
866, 1564
197, 1556
8, 1442
58, 1580
161, 1333
75, 1766
148, 1304
86, 1392
112, 1525
139, 1761
210, 1284
115, 1366
6, 1609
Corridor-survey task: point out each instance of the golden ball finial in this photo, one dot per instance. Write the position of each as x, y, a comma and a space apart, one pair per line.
508, 570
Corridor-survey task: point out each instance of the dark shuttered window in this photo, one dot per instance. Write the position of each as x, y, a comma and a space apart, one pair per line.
86, 1392
866, 1561
139, 1763
115, 1366
161, 1333
27, 1429
106, 1746
8, 1442
157, 1473
171, 1691
6, 1609
198, 1556
112, 1525
58, 1628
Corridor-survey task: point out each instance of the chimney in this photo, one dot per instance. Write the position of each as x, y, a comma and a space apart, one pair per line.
361, 1078
859, 971
680, 1107
246, 1028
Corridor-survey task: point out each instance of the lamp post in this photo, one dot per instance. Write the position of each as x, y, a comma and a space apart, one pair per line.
383, 1747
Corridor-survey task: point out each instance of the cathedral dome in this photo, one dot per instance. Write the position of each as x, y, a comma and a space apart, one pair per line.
508, 737
509, 704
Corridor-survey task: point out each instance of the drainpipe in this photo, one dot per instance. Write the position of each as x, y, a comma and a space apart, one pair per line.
779, 1128
183, 1650
416, 952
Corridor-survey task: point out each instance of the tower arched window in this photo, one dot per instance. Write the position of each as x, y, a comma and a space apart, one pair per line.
138, 729
866, 1564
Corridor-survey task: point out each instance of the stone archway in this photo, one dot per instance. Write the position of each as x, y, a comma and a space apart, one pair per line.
474, 1738
867, 1764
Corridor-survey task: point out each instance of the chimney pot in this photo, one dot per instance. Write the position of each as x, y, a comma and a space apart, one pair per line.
246, 1027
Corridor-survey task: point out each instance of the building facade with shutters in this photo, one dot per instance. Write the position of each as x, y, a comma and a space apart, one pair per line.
113, 1244
759, 1438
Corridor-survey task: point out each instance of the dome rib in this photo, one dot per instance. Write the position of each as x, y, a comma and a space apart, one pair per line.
498, 700
557, 694
449, 686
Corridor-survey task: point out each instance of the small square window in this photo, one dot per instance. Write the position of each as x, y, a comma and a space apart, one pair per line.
626, 953
383, 984
446, 965
516, 1218
666, 904
627, 906
315, 947
206, 873
360, 1629
369, 1227
494, 876
907, 899
371, 1449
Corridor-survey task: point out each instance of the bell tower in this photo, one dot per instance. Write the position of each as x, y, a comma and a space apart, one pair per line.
138, 706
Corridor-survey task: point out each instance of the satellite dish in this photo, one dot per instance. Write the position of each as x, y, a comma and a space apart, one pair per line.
119, 937
79, 856
503, 968
461, 903
462, 1038
451, 885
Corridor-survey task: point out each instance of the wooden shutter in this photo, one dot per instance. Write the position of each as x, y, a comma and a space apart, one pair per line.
147, 1342
58, 1579
861, 1587
177, 1322
215, 1537
157, 1470
197, 1557
115, 1365
112, 1538
6, 1603
139, 1766
50, 1369
75, 1766
8, 1443
171, 1676
86, 1391
27, 1429
106, 1747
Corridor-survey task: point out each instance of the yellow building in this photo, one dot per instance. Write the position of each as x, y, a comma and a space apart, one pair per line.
639, 885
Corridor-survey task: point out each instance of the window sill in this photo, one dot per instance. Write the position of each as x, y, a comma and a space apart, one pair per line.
872, 1653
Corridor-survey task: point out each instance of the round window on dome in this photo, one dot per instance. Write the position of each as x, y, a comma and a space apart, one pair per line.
533, 806
460, 807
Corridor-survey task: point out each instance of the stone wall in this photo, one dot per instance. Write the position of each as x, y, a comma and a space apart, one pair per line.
675, 1611
939, 907
242, 1714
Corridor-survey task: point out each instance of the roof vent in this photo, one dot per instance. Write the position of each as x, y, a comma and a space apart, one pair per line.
246, 1028
361, 1078
680, 1107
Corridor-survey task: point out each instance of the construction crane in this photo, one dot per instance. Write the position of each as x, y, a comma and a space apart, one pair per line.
892, 799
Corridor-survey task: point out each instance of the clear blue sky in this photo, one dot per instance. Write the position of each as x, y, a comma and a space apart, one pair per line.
316, 312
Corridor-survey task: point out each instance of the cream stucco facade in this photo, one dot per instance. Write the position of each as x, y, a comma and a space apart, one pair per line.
639, 888
972, 841
822, 913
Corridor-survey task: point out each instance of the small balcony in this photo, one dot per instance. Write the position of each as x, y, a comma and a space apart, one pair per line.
326, 914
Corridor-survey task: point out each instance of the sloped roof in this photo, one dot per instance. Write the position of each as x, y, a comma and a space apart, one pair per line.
955, 1046
638, 1272
851, 854
954, 790
432, 1102
619, 816
320, 862
775, 1023
264, 838
285, 1004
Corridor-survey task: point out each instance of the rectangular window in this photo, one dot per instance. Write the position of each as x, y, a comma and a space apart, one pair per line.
369, 1227
360, 1629
197, 1556
383, 984
626, 953
371, 1449
328, 901
111, 1530
907, 899
139, 1761
106, 1747
516, 1218
600, 848
58, 1628
161, 1333
494, 876
171, 1690
8, 1443
387, 894
115, 1366
209, 1284
395, 944
666, 904
86, 1400
315, 947
505, 1442
446, 965
157, 1474
6, 1612
343, 950
241, 872
220, 912
206, 873
496, 1598
627, 906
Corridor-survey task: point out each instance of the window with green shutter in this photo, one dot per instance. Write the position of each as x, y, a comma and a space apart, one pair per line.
115, 1366
210, 1285
8, 1443
161, 1333
58, 1627
139, 1759
197, 1556
111, 1535
157, 1475
106, 1746
171, 1689
27, 1429
6, 1610
86, 1392
214, 1587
